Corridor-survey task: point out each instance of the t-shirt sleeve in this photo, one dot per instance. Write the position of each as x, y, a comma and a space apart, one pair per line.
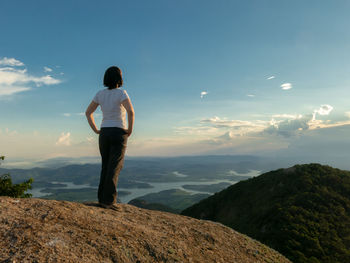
124, 95
96, 98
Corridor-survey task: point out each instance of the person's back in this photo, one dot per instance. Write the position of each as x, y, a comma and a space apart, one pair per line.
110, 101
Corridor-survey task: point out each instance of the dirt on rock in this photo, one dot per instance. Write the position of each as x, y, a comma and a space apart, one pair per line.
39, 230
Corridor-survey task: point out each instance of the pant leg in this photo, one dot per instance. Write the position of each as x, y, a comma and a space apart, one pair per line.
117, 145
104, 151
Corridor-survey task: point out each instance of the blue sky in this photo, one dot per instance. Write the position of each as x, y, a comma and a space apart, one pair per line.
272, 72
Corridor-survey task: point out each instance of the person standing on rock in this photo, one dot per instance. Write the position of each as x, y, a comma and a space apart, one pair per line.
113, 135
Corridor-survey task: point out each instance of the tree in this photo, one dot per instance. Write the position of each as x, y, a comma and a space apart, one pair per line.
14, 190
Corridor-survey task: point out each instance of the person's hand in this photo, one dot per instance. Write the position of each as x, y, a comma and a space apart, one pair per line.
97, 131
128, 131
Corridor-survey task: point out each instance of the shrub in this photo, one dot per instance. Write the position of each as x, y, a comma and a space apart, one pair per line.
14, 190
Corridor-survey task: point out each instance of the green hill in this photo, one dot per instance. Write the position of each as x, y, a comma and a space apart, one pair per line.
175, 199
302, 212
153, 206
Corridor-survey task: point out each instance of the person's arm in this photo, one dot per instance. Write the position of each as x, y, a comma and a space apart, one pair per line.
90, 117
131, 114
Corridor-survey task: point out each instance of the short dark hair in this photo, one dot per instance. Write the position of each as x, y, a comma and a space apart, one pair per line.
113, 77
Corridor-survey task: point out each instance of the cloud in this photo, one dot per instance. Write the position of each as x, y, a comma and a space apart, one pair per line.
14, 80
226, 137
47, 69
286, 116
347, 114
11, 90
284, 125
295, 124
286, 86
218, 122
288, 127
203, 93
272, 77
10, 62
211, 127
225, 123
250, 95
67, 114
323, 110
64, 139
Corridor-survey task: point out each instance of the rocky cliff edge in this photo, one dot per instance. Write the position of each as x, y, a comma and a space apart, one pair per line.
38, 230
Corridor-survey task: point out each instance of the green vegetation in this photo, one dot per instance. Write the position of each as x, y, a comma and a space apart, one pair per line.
153, 206
14, 190
302, 212
174, 198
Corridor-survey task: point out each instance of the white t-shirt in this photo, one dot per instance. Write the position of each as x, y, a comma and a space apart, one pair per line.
112, 109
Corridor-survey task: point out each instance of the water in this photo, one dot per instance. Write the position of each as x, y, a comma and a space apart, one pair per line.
251, 173
71, 185
157, 187
36, 192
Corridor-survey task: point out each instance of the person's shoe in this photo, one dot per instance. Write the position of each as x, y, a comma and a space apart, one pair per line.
112, 206
103, 205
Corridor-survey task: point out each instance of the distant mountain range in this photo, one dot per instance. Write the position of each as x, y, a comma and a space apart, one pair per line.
151, 169
303, 211
141, 173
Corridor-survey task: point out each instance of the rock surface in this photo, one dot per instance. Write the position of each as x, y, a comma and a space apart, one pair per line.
38, 230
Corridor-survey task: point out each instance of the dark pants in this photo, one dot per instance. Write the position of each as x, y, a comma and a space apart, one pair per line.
112, 143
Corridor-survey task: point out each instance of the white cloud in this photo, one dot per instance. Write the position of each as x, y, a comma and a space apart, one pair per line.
286, 116
203, 93
323, 110
67, 114
250, 95
272, 77
14, 80
347, 114
220, 123
211, 127
11, 90
47, 69
10, 62
44, 80
197, 131
289, 127
64, 139
286, 86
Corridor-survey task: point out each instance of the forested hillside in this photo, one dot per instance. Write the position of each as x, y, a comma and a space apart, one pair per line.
303, 211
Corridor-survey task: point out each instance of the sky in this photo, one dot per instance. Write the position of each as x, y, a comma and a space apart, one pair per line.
259, 77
